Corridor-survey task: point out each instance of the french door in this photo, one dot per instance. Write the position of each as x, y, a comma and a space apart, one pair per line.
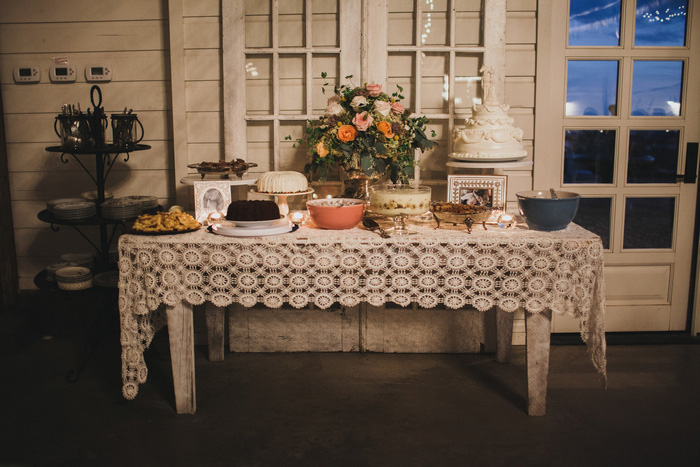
617, 120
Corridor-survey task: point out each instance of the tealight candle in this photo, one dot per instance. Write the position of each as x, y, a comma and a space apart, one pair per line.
299, 217
215, 218
506, 221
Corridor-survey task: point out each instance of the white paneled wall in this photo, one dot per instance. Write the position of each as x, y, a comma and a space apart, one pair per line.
156, 49
131, 37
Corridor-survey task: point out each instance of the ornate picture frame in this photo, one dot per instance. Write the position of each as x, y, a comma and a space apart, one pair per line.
210, 196
483, 190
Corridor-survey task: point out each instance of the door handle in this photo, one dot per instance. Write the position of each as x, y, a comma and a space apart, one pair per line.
691, 164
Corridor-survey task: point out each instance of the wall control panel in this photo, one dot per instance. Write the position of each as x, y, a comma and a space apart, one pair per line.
26, 74
62, 73
98, 73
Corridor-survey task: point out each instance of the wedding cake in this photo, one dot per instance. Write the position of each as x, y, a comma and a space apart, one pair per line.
489, 134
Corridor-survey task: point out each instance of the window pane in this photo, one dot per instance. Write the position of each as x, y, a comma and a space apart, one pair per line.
467, 22
400, 68
434, 22
291, 23
594, 214
589, 156
594, 22
329, 64
591, 87
656, 88
467, 81
434, 83
258, 84
257, 24
292, 80
660, 23
653, 156
324, 23
649, 222
259, 144
401, 30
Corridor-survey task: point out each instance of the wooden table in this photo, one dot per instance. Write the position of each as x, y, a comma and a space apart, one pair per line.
162, 277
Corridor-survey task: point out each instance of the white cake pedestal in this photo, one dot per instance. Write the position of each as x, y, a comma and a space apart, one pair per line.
282, 198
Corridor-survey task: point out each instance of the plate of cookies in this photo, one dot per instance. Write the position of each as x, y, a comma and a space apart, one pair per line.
165, 223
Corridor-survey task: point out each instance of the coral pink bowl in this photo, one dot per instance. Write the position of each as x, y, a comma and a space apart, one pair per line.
336, 213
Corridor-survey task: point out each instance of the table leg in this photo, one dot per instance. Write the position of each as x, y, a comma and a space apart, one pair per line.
504, 335
215, 318
538, 328
181, 335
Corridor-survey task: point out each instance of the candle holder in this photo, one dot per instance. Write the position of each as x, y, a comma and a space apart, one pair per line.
299, 217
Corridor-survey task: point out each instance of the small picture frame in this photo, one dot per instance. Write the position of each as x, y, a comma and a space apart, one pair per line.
481, 190
210, 196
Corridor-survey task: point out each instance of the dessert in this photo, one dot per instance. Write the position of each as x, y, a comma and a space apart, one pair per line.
406, 201
489, 134
176, 221
252, 210
282, 182
223, 168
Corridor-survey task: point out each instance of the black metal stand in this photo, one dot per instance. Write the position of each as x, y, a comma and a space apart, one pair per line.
105, 157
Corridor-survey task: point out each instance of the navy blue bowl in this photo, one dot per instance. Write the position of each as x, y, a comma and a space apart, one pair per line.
542, 212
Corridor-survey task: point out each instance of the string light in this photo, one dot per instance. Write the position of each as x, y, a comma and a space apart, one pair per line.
657, 16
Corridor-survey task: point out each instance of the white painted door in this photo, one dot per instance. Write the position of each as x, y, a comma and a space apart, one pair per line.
616, 119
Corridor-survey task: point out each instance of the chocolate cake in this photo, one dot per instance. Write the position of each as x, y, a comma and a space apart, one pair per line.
252, 210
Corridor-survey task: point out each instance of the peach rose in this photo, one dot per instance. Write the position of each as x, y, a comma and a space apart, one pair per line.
385, 129
321, 149
398, 108
374, 89
347, 133
362, 121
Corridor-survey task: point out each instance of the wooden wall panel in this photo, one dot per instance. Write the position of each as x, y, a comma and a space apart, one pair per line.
41, 11
128, 35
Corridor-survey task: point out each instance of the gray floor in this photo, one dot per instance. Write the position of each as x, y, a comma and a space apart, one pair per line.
335, 409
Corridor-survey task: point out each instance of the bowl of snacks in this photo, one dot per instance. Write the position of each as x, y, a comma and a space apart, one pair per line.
336, 213
548, 210
457, 213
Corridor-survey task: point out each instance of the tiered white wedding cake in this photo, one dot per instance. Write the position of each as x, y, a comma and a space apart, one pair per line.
489, 135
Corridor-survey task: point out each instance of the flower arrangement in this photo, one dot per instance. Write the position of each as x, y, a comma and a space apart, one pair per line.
365, 129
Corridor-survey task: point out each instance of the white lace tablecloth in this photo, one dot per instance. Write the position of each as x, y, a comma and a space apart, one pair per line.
509, 269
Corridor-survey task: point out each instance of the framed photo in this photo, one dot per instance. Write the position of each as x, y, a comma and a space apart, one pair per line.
482, 190
210, 196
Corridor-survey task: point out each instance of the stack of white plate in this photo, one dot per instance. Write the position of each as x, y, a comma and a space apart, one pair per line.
51, 204
74, 278
92, 196
52, 268
74, 211
85, 260
147, 202
120, 208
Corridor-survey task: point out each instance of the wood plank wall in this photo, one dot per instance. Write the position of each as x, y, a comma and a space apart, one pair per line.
130, 36
133, 37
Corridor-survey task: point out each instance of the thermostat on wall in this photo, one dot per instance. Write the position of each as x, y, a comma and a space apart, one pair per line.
98, 73
27, 74
62, 73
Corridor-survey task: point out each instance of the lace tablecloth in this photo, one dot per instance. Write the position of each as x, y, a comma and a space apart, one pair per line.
509, 269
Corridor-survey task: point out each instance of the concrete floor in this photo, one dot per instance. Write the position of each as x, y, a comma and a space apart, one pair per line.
336, 409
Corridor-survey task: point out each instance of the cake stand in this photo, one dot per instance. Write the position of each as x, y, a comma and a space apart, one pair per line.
282, 198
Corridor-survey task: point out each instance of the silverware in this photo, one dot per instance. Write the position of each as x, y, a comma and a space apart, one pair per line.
372, 225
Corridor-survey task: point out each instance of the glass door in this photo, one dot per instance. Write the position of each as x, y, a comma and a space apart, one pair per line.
614, 80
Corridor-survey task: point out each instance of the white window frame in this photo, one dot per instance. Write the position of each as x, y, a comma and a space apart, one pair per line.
364, 55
